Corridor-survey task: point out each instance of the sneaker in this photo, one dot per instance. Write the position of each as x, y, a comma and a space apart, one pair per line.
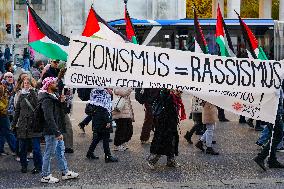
120, 148
82, 127
280, 149
49, 179
18, 159
151, 165
4, 154
69, 175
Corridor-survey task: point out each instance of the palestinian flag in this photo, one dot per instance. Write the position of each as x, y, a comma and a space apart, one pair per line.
43, 39
130, 32
254, 51
223, 37
96, 27
200, 42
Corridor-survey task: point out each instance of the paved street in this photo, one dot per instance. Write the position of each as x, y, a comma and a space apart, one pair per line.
233, 168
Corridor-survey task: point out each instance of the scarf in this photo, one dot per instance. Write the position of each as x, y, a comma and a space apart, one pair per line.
100, 97
180, 106
25, 91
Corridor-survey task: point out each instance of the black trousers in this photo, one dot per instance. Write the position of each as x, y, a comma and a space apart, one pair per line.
97, 137
123, 132
277, 137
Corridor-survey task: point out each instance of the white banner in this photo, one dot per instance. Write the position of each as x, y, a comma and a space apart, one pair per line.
243, 86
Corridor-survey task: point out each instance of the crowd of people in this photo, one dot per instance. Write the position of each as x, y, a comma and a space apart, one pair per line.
35, 108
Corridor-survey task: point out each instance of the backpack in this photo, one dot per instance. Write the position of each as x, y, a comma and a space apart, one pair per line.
140, 95
38, 117
84, 93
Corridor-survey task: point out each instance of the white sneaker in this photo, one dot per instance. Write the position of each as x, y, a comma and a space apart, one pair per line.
18, 159
49, 179
70, 175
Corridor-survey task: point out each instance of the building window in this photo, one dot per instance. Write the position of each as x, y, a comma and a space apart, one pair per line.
36, 4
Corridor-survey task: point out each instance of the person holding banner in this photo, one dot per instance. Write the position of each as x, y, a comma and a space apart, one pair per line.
166, 136
276, 132
209, 117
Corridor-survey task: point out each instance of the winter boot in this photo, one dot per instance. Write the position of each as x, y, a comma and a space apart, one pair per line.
199, 145
260, 162
188, 136
209, 150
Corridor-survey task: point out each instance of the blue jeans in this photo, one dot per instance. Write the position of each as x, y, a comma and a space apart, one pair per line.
54, 146
6, 134
37, 157
264, 136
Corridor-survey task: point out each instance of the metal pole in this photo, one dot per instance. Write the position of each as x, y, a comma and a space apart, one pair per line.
60, 17
13, 28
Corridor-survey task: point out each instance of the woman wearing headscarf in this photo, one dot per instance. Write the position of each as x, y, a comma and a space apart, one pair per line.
100, 109
166, 111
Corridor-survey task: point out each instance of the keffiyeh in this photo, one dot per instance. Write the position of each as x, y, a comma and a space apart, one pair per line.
47, 82
101, 97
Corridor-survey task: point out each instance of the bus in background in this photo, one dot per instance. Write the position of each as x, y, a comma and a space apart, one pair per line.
179, 34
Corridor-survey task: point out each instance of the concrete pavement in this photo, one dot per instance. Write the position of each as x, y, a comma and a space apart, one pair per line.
233, 168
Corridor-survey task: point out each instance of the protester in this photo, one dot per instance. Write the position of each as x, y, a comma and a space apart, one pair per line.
5, 131
148, 125
123, 119
2, 61
166, 137
26, 63
53, 127
52, 70
209, 117
100, 109
277, 131
7, 53
17, 91
9, 67
9, 82
68, 93
23, 120
198, 126
36, 70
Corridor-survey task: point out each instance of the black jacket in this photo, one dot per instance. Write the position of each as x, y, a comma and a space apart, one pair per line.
54, 116
100, 118
166, 138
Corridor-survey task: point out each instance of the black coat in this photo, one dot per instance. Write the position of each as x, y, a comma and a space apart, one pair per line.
100, 118
54, 115
166, 138
23, 117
